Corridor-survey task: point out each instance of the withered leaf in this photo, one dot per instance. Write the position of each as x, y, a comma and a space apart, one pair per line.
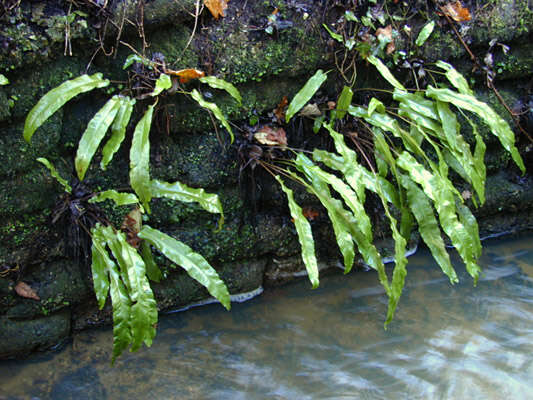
310, 110
185, 75
25, 290
466, 194
456, 11
279, 112
131, 226
271, 137
387, 33
216, 7
310, 213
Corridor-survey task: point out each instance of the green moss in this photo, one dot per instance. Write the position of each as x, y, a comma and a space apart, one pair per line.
442, 46
17, 156
17, 233
29, 192
293, 51
29, 84
517, 63
36, 32
502, 19
171, 42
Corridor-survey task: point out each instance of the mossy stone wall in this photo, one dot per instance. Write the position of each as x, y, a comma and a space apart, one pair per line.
257, 235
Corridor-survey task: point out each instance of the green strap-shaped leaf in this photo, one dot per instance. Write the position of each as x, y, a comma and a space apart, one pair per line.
181, 192
450, 126
498, 125
348, 195
152, 270
428, 226
143, 315
433, 185
343, 102
467, 219
134, 58
381, 164
100, 266
386, 194
218, 83
479, 157
122, 334
459, 148
162, 83
358, 177
57, 97
400, 261
55, 174
385, 72
93, 135
195, 94
425, 33
3, 80
383, 153
374, 105
436, 118
348, 158
334, 35
345, 220
305, 93
196, 266
118, 130
305, 235
140, 159
455, 78
417, 102
343, 236
388, 124
120, 199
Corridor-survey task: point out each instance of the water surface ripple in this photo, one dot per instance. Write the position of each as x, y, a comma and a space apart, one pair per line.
295, 343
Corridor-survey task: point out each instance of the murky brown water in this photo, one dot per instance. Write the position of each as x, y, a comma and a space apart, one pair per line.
293, 343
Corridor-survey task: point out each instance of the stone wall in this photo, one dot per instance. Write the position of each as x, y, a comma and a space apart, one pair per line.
257, 240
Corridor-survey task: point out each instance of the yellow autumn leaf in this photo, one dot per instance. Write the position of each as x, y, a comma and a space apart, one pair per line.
216, 7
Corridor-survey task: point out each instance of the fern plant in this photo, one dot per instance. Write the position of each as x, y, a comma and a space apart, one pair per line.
413, 186
123, 265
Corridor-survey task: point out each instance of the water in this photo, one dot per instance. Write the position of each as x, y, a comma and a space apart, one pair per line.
446, 342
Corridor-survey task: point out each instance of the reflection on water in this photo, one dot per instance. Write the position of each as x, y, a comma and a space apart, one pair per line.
293, 343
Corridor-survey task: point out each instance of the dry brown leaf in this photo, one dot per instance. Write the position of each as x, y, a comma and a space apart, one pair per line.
456, 11
216, 7
310, 213
387, 33
310, 110
185, 75
25, 290
131, 226
279, 112
271, 137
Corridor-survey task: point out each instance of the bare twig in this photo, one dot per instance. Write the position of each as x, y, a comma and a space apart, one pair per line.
196, 15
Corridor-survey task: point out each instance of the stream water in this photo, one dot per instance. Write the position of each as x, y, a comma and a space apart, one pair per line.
291, 342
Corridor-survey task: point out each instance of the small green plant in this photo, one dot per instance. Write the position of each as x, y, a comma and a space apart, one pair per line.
122, 265
414, 148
